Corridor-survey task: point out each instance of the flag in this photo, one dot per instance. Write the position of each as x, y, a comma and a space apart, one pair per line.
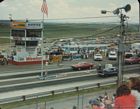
44, 7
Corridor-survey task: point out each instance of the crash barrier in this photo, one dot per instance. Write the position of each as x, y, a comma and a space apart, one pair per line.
32, 73
61, 88
50, 80
55, 91
97, 84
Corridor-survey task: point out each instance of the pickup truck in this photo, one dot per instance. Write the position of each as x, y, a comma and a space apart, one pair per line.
107, 70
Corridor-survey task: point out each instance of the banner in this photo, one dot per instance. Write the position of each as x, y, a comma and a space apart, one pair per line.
18, 25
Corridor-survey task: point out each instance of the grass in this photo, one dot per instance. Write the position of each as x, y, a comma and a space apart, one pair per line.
69, 30
54, 97
4, 40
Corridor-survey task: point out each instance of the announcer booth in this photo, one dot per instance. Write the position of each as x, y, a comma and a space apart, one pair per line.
25, 38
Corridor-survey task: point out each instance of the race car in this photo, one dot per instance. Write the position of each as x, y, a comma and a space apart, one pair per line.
83, 65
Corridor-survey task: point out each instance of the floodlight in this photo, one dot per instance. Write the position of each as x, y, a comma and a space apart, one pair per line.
127, 8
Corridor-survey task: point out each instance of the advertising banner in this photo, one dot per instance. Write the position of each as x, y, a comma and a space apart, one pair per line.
18, 25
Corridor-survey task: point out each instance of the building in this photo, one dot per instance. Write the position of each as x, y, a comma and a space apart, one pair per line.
24, 41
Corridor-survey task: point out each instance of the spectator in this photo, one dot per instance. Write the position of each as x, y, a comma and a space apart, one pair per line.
124, 99
108, 103
95, 104
134, 85
74, 107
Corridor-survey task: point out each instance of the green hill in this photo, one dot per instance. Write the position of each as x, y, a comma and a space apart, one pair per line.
69, 30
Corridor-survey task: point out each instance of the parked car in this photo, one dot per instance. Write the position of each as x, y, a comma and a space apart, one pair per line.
83, 65
132, 60
112, 55
98, 57
107, 70
128, 54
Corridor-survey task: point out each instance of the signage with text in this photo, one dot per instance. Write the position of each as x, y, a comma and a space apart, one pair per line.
34, 25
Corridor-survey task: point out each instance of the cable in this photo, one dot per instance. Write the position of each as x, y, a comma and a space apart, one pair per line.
83, 18
69, 18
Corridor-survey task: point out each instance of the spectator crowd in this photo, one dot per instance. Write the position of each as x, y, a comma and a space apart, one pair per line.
127, 96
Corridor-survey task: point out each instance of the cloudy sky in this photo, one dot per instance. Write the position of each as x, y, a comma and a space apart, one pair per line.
59, 9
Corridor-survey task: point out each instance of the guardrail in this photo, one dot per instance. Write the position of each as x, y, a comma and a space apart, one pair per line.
70, 89
47, 82
50, 80
54, 71
57, 91
32, 73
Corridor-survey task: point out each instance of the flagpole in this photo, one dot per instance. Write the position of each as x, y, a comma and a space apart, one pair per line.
44, 10
42, 48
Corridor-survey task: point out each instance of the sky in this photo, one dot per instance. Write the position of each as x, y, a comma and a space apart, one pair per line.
58, 10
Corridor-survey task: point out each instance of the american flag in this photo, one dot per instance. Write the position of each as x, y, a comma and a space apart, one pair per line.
44, 7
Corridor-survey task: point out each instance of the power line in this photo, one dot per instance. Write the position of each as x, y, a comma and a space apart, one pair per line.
68, 18
83, 18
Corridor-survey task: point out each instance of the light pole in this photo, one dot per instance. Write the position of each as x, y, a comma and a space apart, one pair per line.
139, 16
119, 12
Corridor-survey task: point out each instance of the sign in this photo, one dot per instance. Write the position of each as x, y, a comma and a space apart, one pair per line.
34, 25
18, 25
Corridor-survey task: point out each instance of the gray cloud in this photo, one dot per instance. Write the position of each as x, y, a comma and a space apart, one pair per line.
22, 9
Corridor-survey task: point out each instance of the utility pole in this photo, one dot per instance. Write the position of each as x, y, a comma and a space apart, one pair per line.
121, 49
123, 18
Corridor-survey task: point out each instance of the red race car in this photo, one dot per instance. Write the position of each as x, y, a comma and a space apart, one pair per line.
82, 66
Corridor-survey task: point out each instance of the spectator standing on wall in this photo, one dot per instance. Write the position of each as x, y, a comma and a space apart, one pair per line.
124, 98
134, 85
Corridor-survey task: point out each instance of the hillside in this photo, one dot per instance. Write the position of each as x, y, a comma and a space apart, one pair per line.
64, 30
